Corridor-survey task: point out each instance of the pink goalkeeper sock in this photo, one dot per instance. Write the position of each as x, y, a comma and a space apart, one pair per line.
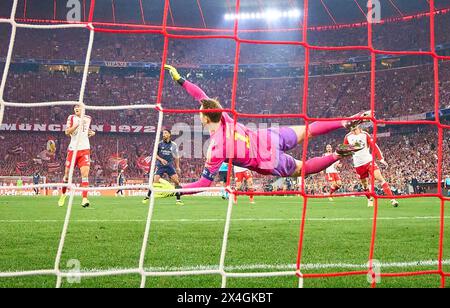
318, 164
323, 128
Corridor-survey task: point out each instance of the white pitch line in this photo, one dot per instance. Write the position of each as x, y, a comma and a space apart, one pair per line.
266, 267
222, 220
248, 267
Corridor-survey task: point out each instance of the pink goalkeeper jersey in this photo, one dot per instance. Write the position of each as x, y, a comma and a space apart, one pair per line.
249, 149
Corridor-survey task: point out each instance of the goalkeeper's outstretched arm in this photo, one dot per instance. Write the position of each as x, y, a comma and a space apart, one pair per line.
204, 182
193, 90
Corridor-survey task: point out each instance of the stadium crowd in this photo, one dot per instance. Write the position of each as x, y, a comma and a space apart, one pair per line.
399, 92
413, 34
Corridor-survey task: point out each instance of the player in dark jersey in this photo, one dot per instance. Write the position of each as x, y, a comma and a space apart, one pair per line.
120, 182
36, 180
167, 162
447, 185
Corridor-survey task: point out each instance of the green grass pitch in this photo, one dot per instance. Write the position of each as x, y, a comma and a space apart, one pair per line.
263, 237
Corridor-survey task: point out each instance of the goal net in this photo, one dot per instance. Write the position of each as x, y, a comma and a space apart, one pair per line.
234, 35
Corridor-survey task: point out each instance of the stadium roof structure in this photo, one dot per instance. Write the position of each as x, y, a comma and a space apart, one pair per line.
210, 13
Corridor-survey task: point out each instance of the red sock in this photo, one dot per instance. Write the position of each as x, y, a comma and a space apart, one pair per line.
318, 164
367, 191
252, 197
85, 183
387, 189
333, 190
235, 198
323, 128
64, 189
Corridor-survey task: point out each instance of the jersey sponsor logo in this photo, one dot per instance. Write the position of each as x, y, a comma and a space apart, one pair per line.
242, 138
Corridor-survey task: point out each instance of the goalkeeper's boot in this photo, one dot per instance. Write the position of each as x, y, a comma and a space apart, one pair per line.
362, 117
345, 150
394, 203
145, 201
180, 203
85, 203
62, 200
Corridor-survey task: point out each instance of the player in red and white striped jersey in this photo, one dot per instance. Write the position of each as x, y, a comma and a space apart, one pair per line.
362, 162
76, 125
243, 174
332, 173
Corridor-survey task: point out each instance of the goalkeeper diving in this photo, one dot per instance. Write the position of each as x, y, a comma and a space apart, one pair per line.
264, 150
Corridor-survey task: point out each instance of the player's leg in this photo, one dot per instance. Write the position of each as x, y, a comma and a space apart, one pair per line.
329, 184
326, 127
335, 185
83, 161
239, 182
251, 189
223, 192
333, 189
363, 173
386, 187
62, 199
176, 180
339, 184
84, 170
156, 179
288, 138
223, 183
314, 165
366, 188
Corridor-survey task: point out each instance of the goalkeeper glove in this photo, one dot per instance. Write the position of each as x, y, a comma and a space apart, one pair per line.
174, 74
164, 185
